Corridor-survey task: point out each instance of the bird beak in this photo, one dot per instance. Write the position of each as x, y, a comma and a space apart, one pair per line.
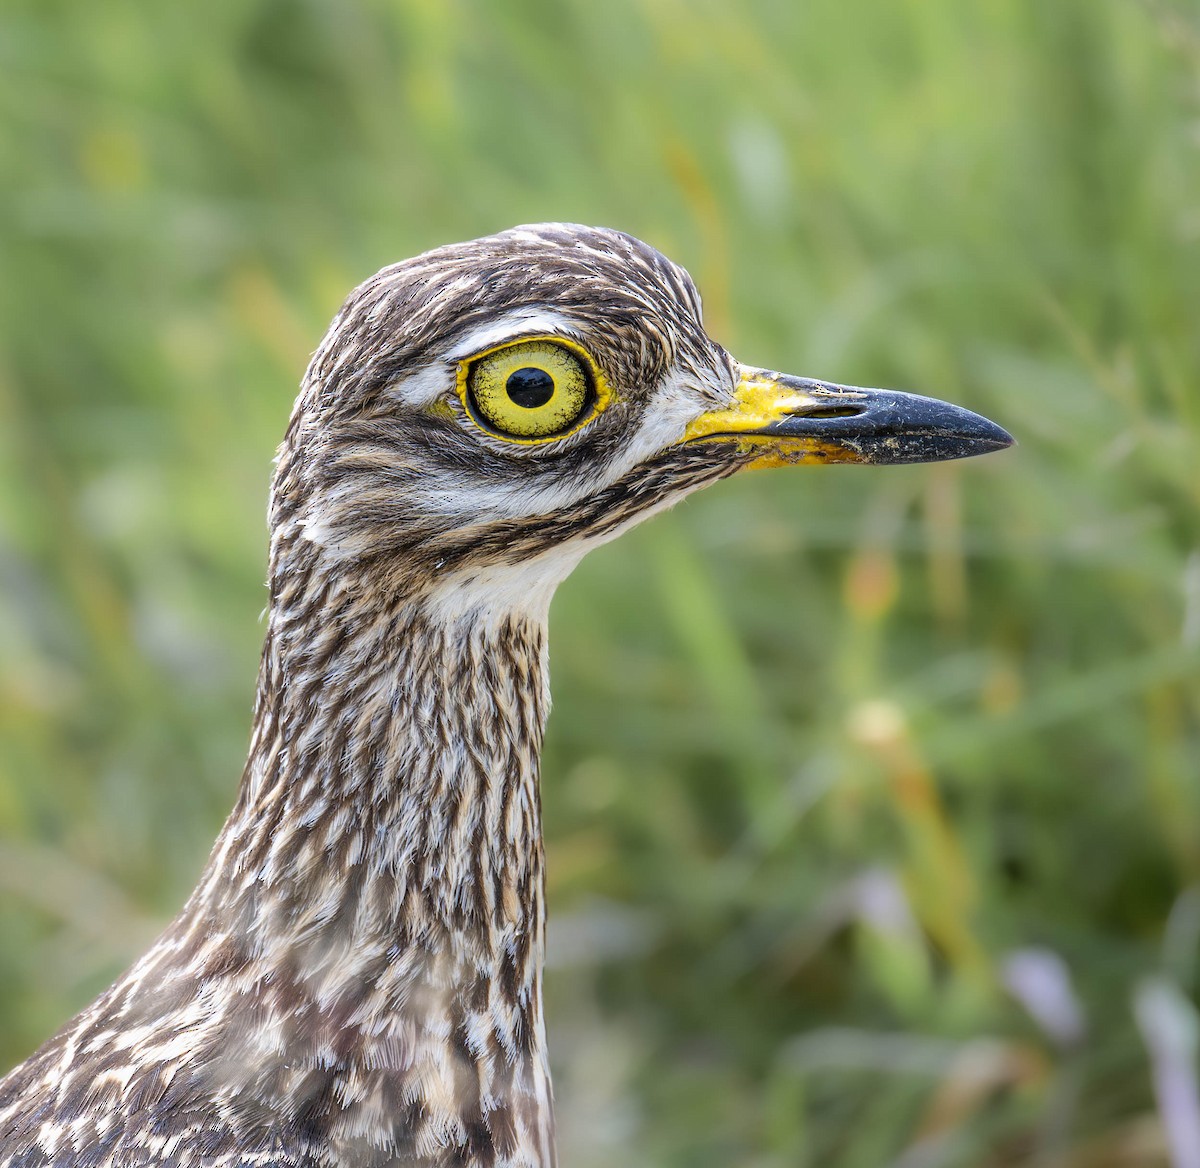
778, 420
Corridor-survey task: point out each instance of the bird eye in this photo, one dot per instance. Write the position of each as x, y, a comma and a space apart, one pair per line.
532, 390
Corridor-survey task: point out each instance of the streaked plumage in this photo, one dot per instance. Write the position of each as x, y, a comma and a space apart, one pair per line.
357, 978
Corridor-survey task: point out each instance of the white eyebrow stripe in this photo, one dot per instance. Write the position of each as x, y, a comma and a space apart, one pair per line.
530, 322
422, 388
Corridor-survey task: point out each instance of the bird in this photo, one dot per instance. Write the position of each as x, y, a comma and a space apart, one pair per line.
356, 980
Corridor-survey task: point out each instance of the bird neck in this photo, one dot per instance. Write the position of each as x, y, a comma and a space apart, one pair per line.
381, 876
401, 749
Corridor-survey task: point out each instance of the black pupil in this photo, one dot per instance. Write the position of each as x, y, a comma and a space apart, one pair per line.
529, 388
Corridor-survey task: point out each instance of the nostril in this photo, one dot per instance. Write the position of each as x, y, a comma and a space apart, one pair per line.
835, 412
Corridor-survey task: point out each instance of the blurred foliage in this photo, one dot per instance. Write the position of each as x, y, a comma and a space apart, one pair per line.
828, 747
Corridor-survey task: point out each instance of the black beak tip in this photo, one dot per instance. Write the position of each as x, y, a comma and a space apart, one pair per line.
981, 435
931, 431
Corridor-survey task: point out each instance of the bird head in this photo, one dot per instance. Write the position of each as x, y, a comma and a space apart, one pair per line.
480, 416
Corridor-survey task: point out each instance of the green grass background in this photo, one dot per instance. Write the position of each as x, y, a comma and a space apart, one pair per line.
828, 746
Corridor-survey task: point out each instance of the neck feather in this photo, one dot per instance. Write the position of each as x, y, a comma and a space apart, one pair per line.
366, 943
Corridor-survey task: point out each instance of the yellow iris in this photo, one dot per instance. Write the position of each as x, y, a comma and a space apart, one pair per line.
530, 390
